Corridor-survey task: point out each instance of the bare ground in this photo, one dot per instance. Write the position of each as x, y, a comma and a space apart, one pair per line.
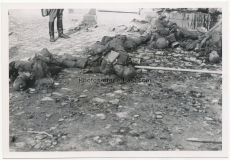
145, 116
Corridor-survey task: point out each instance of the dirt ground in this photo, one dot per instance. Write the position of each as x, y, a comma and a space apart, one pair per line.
157, 111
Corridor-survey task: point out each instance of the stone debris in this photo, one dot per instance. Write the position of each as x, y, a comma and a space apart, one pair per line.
48, 115
61, 120
40, 137
160, 71
47, 99
38, 145
96, 138
188, 64
120, 106
99, 100
20, 144
63, 104
30, 129
125, 88
208, 119
20, 113
153, 64
110, 94
150, 136
101, 116
158, 113
48, 94
144, 71
159, 117
57, 94
66, 89
53, 128
134, 133
108, 126
215, 101
119, 91
32, 142
116, 141
122, 114
83, 96
160, 53
115, 101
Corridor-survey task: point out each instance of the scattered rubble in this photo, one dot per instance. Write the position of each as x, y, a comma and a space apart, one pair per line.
83, 96
47, 99
115, 101
99, 100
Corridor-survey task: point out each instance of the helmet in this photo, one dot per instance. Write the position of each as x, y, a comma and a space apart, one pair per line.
19, 84
106, 39
119, 69
214, 57
128, 72
45, 52
124, 71
130, 46
46, 55
161, 43
105, 67
23, 66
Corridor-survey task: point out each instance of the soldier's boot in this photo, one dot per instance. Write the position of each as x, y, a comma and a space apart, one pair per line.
51, 31
172, 40
60, 29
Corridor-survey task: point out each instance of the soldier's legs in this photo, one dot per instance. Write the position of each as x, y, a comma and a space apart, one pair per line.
52, 16
164, 32
152, 42
60, 24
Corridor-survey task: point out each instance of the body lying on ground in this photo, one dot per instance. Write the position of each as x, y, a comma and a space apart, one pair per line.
167, 34
108, 57
101, 51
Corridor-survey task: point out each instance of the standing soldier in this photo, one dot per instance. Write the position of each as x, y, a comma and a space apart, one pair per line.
53, 13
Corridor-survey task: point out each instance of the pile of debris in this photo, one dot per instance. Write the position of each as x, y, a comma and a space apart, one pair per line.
166, 34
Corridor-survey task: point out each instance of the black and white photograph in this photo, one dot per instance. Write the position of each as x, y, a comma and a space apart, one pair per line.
106, 78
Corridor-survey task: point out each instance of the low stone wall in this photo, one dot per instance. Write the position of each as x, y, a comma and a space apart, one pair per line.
190, 20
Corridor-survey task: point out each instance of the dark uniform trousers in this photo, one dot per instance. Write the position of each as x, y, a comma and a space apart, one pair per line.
55, 13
